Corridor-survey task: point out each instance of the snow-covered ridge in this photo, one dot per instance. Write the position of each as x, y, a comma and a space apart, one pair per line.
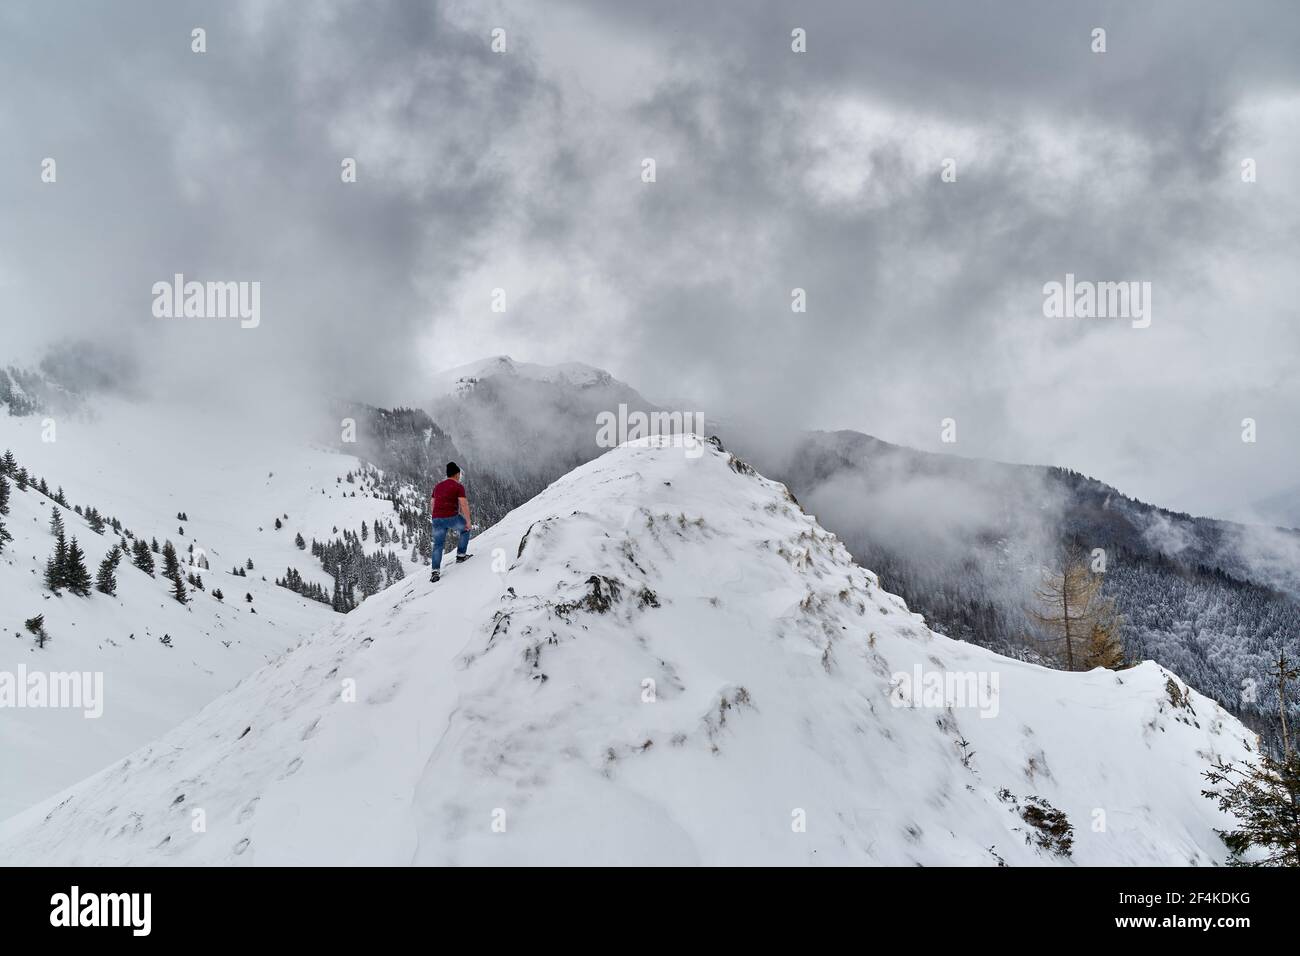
573, 374
660, 659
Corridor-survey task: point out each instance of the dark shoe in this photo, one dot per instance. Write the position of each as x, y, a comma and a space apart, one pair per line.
434, 577
462, 558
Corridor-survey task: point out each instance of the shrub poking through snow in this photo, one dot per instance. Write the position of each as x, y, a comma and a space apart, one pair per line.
37, 626
1049, 828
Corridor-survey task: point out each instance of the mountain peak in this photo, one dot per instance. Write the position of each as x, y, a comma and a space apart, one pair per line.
661, 659
572, 374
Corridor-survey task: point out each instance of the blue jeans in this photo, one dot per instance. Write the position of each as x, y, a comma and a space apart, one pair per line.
440, 528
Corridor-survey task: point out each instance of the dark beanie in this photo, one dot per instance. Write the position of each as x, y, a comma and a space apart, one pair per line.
452, 469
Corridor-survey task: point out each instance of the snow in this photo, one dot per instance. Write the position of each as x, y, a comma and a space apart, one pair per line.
574, 374
502, 716
144, 463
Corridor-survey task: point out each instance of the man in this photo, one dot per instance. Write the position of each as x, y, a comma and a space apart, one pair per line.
450, 510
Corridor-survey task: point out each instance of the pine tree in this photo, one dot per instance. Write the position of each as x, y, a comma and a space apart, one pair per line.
8, 465
106, 579
178, 589
75, 575
5, 536
1264, 797
299, 541
20, 479
171, 564
56, 522
153, 545
172, 572
142, 557
56, 567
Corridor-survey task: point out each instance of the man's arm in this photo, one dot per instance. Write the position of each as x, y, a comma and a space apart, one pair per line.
464, 510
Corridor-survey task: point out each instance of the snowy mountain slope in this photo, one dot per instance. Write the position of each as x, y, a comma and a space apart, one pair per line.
962, 540
658, 660
516, 427
144, 464
573, 374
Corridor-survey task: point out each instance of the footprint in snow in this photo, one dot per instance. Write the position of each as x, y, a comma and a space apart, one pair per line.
247, 810
385, 694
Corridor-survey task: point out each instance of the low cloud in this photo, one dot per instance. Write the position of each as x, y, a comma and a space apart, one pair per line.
776, 170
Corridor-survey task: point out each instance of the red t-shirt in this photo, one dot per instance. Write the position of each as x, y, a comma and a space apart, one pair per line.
446, 498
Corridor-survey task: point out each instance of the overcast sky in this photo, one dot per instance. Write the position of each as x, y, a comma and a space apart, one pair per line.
820, 170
